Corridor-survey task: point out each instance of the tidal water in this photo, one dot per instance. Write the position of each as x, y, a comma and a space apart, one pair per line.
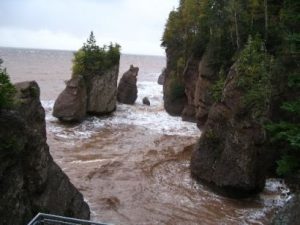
132, 167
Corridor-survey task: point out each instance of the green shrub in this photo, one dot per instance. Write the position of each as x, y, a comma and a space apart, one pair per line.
254, 77
287, 165
94, 60
287, 135
7, 90
217, 88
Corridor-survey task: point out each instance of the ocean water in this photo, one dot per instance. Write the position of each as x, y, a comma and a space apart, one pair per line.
133, 166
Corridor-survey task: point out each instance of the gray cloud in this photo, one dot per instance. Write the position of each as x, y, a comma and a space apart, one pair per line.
64, 24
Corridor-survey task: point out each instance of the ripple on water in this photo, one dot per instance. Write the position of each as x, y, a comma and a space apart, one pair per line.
153, 117
168, 190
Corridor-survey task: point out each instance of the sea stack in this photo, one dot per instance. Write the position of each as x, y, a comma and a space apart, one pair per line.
127, 89
93, 87
31, 181
230, 155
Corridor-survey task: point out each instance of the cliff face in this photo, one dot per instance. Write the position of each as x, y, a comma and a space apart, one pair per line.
30, 181
102, 92
203, 99
195, 101
190, 76
174, 97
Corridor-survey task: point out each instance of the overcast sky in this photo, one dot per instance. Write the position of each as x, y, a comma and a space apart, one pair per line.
65, 24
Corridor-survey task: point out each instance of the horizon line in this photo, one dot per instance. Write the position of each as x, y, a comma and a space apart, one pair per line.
69, 50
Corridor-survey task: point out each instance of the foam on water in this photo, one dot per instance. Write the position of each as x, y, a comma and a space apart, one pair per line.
153, 117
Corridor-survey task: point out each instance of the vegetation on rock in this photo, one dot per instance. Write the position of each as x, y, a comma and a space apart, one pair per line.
7, 90
285, 128
94, 60
262, 38
254, 68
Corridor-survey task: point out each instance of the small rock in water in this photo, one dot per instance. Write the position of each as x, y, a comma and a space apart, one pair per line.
146, 101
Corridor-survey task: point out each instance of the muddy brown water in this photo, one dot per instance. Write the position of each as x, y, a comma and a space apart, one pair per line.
132, 167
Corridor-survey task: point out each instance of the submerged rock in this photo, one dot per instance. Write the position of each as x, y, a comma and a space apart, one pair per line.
230, 153
71, 103
127, 89
102, 92
146, 101
31, 181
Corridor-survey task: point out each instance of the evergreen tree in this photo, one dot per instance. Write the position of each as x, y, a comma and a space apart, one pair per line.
7, 90
93, 60
268, 63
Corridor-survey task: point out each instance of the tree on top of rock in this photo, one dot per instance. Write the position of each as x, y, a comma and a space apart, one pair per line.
90, 44
93, 60
7, 90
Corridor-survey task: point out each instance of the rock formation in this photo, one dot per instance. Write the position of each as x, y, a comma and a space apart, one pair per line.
190, 75
161, 78
102, 92
289, 214
230, 152
146, 101
203, 99
194, 102
71, 103
30, 180
173, 89
174, 97
94, 94
127, 89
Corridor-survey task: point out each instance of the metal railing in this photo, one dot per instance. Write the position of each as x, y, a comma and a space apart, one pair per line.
48, 219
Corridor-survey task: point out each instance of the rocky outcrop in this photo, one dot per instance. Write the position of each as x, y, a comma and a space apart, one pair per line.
190, 76
174, 97
71, 103
195, 100
173, 88
203, 100
289, 214
230, 153
94, 94
161, 78
146, 101
127, 89
30, 181
102, 92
